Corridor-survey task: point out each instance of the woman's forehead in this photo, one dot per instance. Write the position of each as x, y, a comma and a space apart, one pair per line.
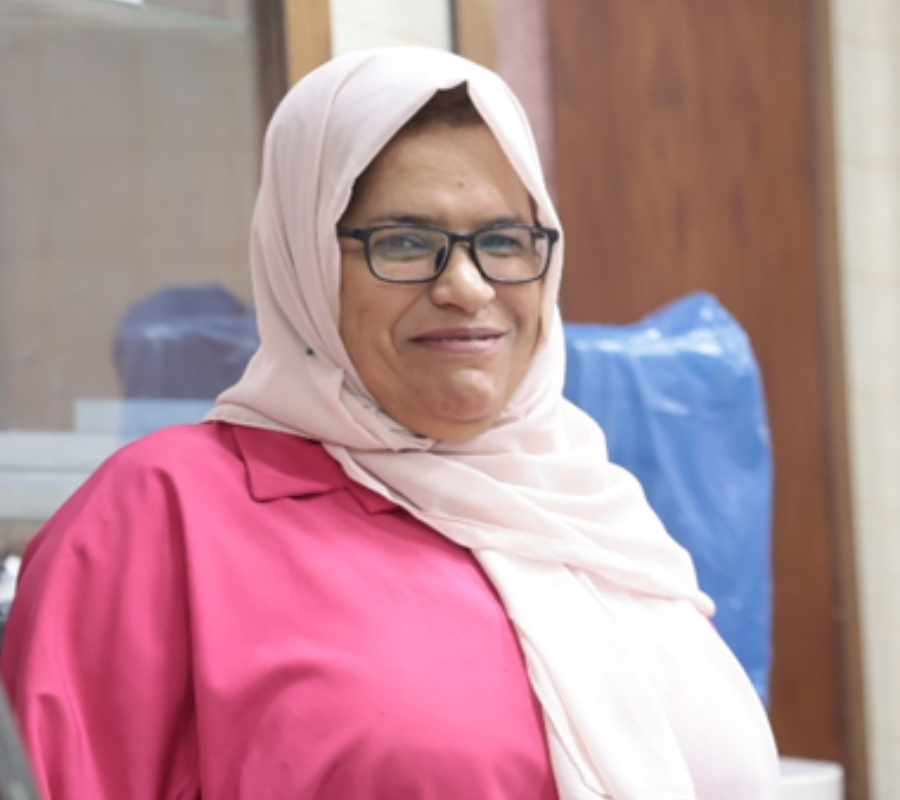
429, 171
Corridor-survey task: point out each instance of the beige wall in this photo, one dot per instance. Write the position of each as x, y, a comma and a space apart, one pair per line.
866, 47
359, 24
128, 160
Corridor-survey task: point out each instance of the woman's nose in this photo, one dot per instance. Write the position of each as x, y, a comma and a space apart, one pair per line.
461, 283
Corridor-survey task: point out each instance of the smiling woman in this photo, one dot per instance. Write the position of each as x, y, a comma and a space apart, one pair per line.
394, 562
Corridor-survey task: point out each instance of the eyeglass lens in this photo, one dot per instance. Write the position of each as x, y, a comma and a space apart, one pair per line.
414, 254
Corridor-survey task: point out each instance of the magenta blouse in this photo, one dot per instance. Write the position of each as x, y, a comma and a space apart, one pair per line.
221, 612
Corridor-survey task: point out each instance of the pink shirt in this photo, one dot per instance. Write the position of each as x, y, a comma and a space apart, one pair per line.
220, 610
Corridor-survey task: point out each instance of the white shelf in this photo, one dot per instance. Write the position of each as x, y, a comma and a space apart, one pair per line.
133, 418
36, 495
39, 470
54, 451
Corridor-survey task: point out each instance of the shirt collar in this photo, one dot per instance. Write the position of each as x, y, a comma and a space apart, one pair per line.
283, 465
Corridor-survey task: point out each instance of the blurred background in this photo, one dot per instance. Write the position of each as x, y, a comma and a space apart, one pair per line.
745, 148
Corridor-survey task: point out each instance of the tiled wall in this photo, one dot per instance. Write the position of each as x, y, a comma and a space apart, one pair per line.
128, 160
359, 24
866, 50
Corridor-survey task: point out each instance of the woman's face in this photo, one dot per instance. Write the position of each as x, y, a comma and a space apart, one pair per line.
442, 358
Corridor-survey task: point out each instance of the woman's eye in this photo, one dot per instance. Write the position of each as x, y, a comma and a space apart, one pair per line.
497, 243
402, 245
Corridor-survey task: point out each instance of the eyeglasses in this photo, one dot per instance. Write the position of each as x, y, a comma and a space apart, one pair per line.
420, 253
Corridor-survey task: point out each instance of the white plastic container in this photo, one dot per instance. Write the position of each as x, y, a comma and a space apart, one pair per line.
806, 779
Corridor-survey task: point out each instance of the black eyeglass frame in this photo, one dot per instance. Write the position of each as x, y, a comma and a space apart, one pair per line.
364, 235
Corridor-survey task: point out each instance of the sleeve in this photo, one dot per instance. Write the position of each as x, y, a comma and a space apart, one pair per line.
96, 658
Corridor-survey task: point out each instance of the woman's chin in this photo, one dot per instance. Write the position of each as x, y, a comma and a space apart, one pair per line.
458, 422
456, 432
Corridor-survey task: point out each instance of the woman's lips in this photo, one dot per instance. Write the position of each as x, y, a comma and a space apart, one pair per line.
465, 341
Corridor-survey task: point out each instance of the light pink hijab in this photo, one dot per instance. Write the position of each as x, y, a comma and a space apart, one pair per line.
588, 575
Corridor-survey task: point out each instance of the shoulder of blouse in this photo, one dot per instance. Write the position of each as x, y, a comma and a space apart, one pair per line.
272, 464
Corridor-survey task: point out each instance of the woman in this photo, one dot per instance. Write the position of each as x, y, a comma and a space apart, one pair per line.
394, 563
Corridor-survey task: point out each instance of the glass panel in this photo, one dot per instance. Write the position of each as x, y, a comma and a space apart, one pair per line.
128, 167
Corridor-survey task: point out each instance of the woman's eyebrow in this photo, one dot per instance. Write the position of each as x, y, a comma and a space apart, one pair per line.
515, 219
402, 218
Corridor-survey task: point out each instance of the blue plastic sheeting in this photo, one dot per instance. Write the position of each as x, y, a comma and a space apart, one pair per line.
679, 396
184, 342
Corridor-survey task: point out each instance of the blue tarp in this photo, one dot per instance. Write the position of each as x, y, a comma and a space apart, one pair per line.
184, 342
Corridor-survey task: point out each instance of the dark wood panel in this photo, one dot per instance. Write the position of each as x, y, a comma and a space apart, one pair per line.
687, 159
271, 58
